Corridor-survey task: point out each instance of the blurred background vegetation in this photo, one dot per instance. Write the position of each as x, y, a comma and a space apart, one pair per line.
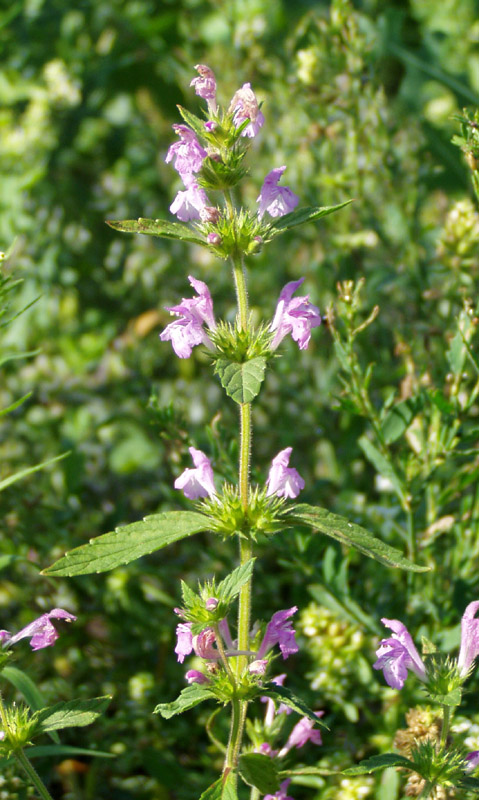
359, 99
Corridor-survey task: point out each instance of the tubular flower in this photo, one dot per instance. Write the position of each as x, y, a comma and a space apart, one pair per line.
195, 676
276, 200
294, 315
280, 631
188, 153
189, 204
187, 331
281, 795
397, 655
284, 481
203, 645
41, 631
205, 85
243, 106
184, 641
304, 731
469, 638
197, 482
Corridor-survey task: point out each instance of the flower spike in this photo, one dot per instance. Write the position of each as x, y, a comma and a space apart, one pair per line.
243, 106
205, 85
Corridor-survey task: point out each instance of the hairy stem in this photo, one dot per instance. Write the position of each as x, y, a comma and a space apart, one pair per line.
34, 779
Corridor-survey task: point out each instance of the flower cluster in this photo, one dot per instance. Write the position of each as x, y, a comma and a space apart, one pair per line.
398, 653
279, 631
41, 631
293, 315
282, 481
246, 118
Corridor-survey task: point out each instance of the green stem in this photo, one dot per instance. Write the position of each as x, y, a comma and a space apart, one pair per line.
234, 743
34, 779
446, 721
223, 656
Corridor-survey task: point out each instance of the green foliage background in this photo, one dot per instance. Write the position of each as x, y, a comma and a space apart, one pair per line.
358, 100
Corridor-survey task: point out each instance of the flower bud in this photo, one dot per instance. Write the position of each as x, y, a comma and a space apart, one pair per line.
214, 238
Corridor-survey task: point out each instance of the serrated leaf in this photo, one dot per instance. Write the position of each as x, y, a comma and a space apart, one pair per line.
381, 464
157, 227
287, 697
351, 535
231, 585
302, 215
397, 420
73, 714
259, 771
241, 382
451, 699
222, 789
190, 697
380, 762
188, 595
24, 473
129, 543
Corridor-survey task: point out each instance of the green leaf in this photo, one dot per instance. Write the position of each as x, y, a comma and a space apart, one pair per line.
157, 227
24, 684
14, 405
351, 535
302, 215
397, 420
40, 751
318, 771
24, 473
74, 714
5, 561
190, 697
287, 697
231, 586
456, 355
222, 789
342, 356
381, 464
451, 699
241, 382
259, 771
469, 783
197, 124
376, 763
128, 543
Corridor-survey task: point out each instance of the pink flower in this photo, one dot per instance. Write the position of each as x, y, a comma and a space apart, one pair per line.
41, 631
295, 316
281, 795
276, 200
469, 638
243, 106
472, 761
188, 153
187, 331
189, 204
284, 481
397, 655
195, 676
184, 641
203, 645
205, 85
197, 482
304, 731
280, 631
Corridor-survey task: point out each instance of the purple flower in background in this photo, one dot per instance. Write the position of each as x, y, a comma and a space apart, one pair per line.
188, 153
294, 315
304, 731
195, 676
187, 331
276, 200
41, 631
205, 85
397, 655
472, 761
197, 482
184, 641
189, 203
284, 481
281, 795
243, 106
469, 638
280, 631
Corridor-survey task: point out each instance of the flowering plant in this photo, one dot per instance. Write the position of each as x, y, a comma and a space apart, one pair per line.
233, 671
